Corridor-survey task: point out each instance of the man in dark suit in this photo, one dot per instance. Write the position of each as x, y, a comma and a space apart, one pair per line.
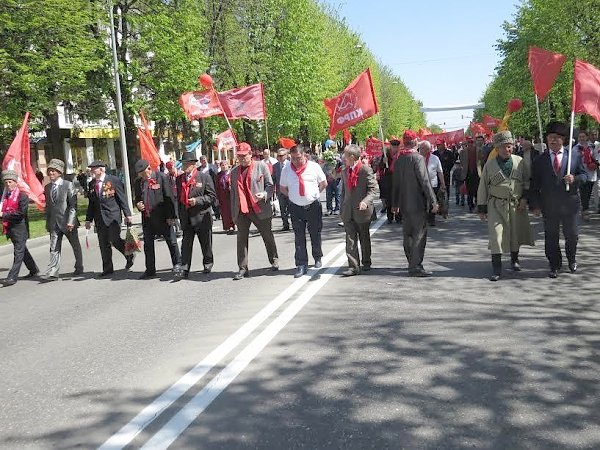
549, 195
153, 197
283, 199
251, 189
106, 203
61, 219
197, 195
358, 192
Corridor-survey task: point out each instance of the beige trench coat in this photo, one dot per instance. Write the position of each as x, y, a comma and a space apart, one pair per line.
508, 228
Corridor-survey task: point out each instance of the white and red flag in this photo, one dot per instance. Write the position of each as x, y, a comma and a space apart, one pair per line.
356, 103
226, 140
18, 158
247, 102
201, 104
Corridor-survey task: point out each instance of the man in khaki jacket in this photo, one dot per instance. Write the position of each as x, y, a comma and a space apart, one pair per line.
251, 192
358, 191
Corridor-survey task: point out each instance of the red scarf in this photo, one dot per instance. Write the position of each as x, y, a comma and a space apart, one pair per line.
147, 206
299, 171
587, 159
244, 190
353, 175
185, 188
9, 205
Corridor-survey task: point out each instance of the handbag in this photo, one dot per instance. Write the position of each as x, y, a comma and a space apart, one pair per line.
132, 241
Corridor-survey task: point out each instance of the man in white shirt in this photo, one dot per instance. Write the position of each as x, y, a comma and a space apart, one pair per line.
302, 182
435, 172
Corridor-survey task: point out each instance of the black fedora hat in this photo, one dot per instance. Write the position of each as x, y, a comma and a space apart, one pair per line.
141, 165
97, 163
189, 157
560, 128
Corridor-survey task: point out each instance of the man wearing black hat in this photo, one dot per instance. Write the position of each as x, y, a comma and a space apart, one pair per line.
554, 192
106, 203
153, 197
196, 193
61, 219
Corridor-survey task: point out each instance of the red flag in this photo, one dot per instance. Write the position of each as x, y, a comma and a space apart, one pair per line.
226, 140
450, 137
544, 67
586, 89
200, 104
373, 147
346, 136
18, 158
286, 142
491, 122
356, 103
247, 102
148, 149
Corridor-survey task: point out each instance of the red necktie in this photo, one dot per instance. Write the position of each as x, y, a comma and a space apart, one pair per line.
98, 184
556, 163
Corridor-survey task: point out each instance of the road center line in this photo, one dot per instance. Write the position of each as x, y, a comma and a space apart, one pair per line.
184, 418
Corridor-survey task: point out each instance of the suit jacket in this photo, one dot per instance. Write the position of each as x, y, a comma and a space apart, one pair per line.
18, 222
107, 207
204, 193
158, 200
64, 211
363, 192
411, 187
277, 168
260, 182
548, 191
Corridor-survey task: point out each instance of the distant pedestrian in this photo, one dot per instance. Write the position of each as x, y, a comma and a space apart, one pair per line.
284, 201
224, 196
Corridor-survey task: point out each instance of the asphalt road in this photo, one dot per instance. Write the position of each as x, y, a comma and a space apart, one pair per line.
376, 361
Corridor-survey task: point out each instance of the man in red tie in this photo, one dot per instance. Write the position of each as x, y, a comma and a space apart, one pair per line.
303, 181
251, 190
549, 195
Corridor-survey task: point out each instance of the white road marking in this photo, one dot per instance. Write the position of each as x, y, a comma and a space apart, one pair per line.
184, 418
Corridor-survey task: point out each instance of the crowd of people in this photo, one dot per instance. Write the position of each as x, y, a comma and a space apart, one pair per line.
502, 180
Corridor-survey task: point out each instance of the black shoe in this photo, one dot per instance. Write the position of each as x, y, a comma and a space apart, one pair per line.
389, 221
494, 277
9, 282
286, 228
208, 268
330, 212
366, 267
553, 273
318, 263
573, 267
274, 266
32, 274
350, 272
105, 274
421, 273
231, 232
129, 263
48, 278
147, 275
515, 266
300, 270
243, 273
77, 272
185, 274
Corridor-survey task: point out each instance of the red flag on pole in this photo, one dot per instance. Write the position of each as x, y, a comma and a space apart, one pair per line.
450, 137
544, 67
148, 149
373, 147
586, 89
18, 158
356, 103
247, 102
287, 142
200, 104
226, 140
491, 122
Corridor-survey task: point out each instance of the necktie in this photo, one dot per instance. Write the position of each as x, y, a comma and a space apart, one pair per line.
98, 185
54, 193
556, 163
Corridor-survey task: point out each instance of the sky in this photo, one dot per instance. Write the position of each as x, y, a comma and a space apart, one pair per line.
443, 50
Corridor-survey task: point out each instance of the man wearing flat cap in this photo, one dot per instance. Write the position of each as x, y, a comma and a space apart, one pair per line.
413, 197
153, 197
196, 195
502, 202
61, 219
251, 190
106, 195
554, 192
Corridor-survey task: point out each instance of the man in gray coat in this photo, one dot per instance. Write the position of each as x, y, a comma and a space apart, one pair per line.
251, 190
413, 197
358, 191
61, 219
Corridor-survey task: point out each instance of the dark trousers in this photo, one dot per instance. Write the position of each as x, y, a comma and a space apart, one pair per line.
284, 208
460, 198
107, 236
415, 238
552, 225
472, 182
204, 233
264, 228
355, 233
332, 195
303, 216
585, 191
56, 237
21, 255
168, 233
430, 215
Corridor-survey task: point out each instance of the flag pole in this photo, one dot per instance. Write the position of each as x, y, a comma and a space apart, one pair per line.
569, 145
267, 133
385, 156
539, 118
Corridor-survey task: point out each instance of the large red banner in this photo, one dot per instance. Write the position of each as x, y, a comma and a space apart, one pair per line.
491, 122
200, 104
247, 102
450, 137
148, 149
544, 67
374, 147
356, 103
586, 89
18, 158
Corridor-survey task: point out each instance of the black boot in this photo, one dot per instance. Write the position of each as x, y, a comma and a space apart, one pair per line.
496, 266
514, 261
